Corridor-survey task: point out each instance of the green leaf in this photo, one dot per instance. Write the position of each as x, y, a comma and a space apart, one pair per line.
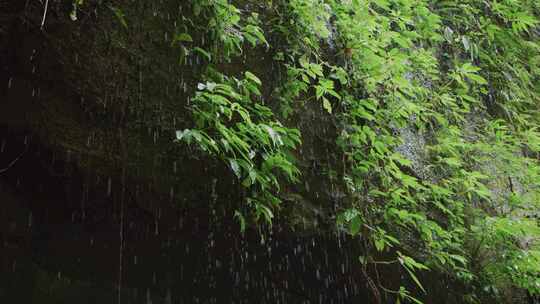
355, 225
477, 78
379, 244
120, 16
253, 78
265, 211
415, 279
276, 138
183, 37
235, 167
241, 220
206, 55
327, 106
180, 134
380, 147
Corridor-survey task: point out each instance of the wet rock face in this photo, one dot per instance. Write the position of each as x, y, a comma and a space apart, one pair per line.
414, 149
76, 242
68, 236
102, 207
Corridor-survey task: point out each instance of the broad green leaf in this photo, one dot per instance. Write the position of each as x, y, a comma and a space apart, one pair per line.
183, 37
327, 105
253, 78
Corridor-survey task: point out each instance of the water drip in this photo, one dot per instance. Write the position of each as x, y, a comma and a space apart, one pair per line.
148, 296
33, 54
109, 186
168, 296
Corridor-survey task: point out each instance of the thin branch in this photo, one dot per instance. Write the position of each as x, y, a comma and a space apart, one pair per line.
14, 161
383, 262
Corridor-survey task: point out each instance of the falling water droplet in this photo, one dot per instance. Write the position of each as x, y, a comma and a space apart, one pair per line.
109, 186
148, 296
168, 296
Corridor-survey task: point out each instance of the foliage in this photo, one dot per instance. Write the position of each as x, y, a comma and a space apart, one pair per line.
461, 74
237, 129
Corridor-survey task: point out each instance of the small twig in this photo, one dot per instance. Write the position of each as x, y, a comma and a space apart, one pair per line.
384, 262
14, 161
44, 13
372, 285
